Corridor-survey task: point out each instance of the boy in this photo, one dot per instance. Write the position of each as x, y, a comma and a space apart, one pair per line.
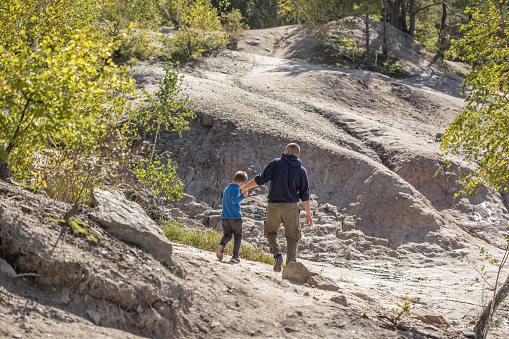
231, 217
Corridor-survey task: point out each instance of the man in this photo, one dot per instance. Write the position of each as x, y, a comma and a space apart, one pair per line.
289, 183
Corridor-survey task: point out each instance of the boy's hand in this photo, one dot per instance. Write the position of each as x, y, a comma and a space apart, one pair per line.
245, 194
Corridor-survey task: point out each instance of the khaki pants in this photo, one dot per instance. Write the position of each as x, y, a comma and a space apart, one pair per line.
288, 214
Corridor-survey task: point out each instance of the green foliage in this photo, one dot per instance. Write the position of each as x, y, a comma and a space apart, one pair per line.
62, 98
200, 30
80, 228
60, 87
232, 24
255, 13
136, 43
159, 177
345, 280
480, 134
207, 239
25, 22
130, 24
313, 12
405, 306
167, 110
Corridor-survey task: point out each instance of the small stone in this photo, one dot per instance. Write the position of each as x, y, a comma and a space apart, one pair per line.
322, 283
306, 294
340, 299
438, 319
26, 209
290, 330
96, 317
6, 269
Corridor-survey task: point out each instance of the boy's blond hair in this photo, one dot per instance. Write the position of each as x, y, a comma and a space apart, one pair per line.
240, 176
293, 149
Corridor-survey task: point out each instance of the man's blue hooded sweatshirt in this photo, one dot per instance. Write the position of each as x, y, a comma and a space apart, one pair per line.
289, 180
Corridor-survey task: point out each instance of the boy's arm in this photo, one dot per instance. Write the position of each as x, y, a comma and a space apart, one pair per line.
237, 197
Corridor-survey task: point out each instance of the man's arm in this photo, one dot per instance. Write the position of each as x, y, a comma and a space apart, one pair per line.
307, 208
251, 184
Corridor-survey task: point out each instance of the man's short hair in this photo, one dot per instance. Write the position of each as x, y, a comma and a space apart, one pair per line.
240, 176
293, 149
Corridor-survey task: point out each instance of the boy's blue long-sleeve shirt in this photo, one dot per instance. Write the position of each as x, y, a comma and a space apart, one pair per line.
289, 180
231, 202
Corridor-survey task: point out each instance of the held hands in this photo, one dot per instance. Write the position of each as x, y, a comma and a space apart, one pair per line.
244, 191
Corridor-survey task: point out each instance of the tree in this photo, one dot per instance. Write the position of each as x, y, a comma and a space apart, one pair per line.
368, 8
480, 134
56, 78
62, 100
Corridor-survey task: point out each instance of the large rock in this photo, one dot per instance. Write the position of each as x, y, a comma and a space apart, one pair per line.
127, 221
296, 272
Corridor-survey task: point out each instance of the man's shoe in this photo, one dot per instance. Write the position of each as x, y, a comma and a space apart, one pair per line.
235, 259
219, 252
278, 261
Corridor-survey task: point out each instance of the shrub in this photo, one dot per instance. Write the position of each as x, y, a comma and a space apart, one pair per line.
200, 30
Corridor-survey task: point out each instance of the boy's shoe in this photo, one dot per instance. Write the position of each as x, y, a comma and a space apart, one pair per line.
219, 252
278, 261
235, 259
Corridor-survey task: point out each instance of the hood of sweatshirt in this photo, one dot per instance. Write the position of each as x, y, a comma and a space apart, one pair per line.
292, 160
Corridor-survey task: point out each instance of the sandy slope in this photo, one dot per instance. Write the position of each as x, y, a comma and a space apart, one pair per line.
383, 226
369, 145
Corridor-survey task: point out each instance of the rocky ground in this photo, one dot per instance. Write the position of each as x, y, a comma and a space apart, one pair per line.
385, 228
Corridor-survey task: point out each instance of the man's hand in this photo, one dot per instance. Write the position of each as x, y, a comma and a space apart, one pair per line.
309, 220
307, 208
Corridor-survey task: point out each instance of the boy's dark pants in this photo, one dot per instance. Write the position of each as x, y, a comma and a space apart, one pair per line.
232, 226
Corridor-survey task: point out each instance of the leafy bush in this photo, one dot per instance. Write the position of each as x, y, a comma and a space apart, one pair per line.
200, 30
232, 24
62, 98
133, 37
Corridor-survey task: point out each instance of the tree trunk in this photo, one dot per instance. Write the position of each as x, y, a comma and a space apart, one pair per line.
393, 8
175, 22
411, 13
481, 328
402, 17
384, 46
368, 59
442, 29
5, 173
